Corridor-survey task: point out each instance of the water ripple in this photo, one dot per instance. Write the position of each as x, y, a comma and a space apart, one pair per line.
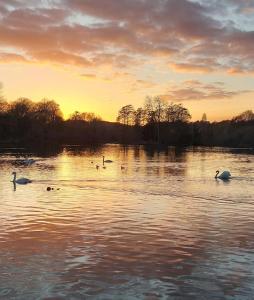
163, 228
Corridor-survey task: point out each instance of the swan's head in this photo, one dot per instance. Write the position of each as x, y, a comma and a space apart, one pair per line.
14, 173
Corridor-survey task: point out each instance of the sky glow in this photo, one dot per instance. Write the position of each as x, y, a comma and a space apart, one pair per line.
98, 55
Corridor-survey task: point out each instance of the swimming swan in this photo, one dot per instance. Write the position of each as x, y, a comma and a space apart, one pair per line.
25, 161
20, 180
107, 160
29, 161
225, 175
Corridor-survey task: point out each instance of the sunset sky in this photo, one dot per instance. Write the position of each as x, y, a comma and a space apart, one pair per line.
98, 55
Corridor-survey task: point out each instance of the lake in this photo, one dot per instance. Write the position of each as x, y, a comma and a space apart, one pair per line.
160, 227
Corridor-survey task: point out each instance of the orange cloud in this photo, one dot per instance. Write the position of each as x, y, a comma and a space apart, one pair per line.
12, 58
190, 35
191, 68
89, 76
196, 90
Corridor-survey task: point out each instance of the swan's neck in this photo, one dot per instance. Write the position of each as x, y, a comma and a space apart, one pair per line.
14, 177
217, 173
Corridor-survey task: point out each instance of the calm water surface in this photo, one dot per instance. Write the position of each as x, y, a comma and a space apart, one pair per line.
161, 228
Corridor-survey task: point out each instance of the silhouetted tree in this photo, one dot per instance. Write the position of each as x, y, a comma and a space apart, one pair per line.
47, 111
4, 107
153, 109
139, 117
125, 115
177, 113
247, 115
76, 116
84, 116
24, 121
22, 108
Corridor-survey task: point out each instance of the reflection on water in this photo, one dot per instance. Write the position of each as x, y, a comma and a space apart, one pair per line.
160, 227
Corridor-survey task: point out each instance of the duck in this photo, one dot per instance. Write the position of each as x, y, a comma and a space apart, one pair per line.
20, 180
49, 188
225, 175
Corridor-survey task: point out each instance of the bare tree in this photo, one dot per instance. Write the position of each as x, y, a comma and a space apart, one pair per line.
247, 115
177, 113
149, 110
76, 116
21, 108
155, 108
125, 115
4, 107
84, 116
139, 117
47, 111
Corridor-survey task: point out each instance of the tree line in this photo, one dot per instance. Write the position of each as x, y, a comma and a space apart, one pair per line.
155, 110
25, 121
169, 123
157, 121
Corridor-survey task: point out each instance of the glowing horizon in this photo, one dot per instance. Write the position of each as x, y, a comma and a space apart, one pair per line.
97, 56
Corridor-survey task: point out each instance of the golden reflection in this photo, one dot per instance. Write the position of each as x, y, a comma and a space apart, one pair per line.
164, 217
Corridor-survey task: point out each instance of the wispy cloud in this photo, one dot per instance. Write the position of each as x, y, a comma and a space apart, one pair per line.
89, 76
194, 90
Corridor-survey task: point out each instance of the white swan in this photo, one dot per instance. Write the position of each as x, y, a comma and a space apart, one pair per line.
26, 161
29, 161
20, 180
225, 175
106, 160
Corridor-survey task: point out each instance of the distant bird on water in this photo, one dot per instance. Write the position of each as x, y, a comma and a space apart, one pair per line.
20, 180
25, 162
225, 175
49, 188
106, 160
29, 161
97, 167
